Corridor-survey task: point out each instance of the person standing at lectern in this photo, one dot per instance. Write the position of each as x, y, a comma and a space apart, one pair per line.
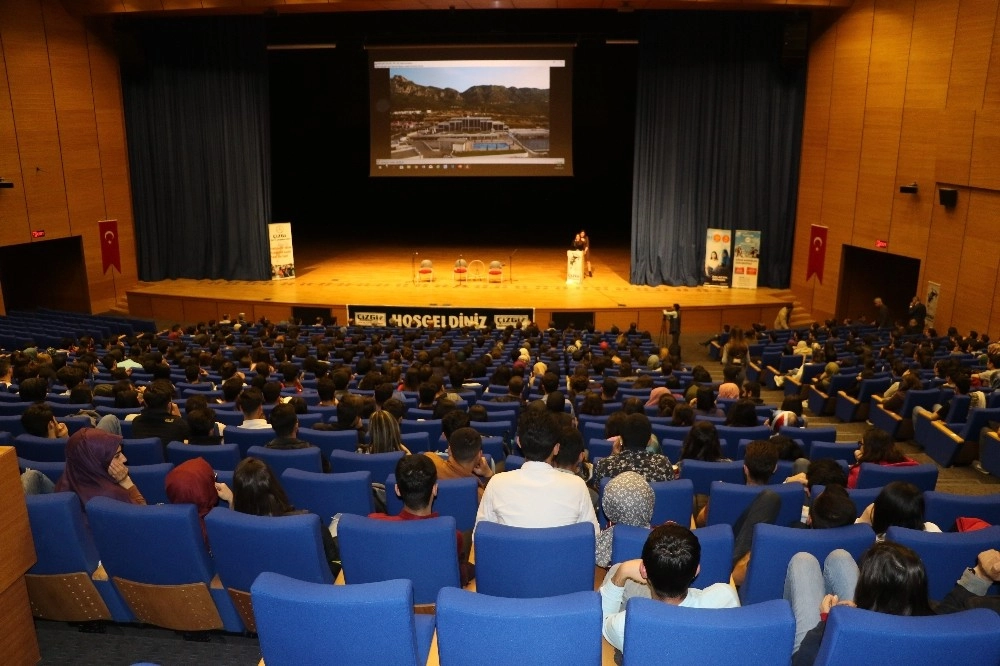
586, 252
673, 314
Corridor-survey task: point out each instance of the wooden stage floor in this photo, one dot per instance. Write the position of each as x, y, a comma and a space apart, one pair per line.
335, 277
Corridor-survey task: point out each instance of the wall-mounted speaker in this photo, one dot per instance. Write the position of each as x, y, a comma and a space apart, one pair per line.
948, 196
908, 189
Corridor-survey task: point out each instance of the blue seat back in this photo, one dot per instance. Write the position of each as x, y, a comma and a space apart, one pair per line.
855, 636
560, 630
219, 456
247, 437
562, 560
702, 473
943, 509
64, 545
281, 459
512, 463
656, 633
289, 545
423, 551
143, 451
728, 501
834, 450
158, 545
730, 436
53, 470
300, 622
774, 546
458, 498
329, 494
945, 554
151, 480
330, 440
873, 475
380, 465
430, 426
809, 435
716, 550
674, 500
41, 449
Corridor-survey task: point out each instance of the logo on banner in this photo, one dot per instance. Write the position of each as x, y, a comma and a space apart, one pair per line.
110, 254
817, 252
505, 320
369, 318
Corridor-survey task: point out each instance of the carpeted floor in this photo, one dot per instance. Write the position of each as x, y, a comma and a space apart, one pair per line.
64, 645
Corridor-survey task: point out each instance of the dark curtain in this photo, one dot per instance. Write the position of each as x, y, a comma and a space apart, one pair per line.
196, 112
717, 142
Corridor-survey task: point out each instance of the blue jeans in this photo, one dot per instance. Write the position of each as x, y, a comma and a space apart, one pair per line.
110, 423
806, 585
34, 482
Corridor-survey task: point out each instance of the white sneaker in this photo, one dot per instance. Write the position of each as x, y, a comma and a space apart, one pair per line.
978, 466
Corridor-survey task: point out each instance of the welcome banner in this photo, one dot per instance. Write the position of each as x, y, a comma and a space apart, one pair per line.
416, 317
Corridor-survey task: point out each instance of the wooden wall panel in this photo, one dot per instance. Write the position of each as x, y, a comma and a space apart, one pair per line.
63, 114
991, 98
985, 171
947, 135
30, 83
13, 207
891, 31
876, 175
843, 155
195, 311
812, 169
973, 39
111, 289
930, 54
953, 155
977, 275
942, 262
167, 309
74, 103
915, 164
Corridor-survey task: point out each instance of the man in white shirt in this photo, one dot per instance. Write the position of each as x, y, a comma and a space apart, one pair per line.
671, 559
251, 403
537, 495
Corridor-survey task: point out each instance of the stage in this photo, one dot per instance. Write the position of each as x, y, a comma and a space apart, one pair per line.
331, 277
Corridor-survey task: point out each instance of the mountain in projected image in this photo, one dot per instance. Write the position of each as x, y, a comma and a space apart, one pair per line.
533, 103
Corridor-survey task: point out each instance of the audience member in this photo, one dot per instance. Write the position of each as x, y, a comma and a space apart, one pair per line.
95, 467
416, 485
537, 495
670, 562
877, 446
629, 453
257, 491
464, 458
628, 500
161, 417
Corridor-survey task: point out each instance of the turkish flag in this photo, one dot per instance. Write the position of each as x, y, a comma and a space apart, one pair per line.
110, 255
817, 252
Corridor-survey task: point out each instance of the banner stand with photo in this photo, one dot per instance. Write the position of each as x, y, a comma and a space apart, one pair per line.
746, 259
282, 259
718, 266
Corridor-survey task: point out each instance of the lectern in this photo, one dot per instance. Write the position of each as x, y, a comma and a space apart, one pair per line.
574, 266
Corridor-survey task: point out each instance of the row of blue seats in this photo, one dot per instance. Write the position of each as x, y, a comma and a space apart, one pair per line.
128, 560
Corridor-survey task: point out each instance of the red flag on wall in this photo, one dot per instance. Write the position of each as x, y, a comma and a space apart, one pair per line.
110, 256
817, 252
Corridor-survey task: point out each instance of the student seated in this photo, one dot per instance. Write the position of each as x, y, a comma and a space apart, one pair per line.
671, 559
